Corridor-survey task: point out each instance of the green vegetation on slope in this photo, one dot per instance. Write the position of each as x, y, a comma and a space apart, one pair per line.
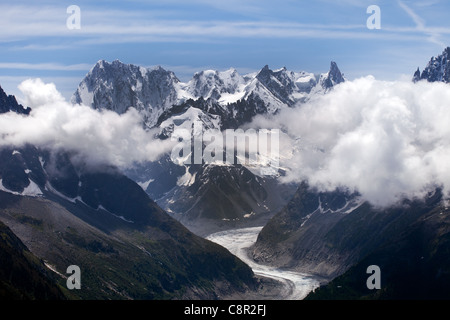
22, 275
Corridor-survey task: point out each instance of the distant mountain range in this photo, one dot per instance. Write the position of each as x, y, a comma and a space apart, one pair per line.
22, 275
117, 86
219, 100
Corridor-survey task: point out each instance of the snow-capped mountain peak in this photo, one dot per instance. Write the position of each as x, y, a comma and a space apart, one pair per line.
281, 83
213, 84
117, 86
282, 87
333, 77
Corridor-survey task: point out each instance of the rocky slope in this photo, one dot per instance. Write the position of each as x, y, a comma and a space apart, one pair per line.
327, 233
414, 265
126, 246
22, 275
67, 211
215, 198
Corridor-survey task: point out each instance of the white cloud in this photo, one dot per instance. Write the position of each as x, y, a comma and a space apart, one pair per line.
386, 140
38, 93
420, 23
98, 137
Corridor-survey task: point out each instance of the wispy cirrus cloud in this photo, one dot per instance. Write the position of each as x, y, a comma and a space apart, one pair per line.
33, 23
420, 23
45, 66
434, 35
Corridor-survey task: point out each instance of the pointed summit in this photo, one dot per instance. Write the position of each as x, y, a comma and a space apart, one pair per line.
335, 74
264, 74
117, 86
9, 103
416, 76
333, 77
281, 83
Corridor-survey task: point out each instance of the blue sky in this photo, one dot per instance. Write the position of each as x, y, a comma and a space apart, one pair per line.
189, 36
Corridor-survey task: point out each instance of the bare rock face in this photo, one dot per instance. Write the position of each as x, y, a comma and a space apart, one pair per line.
9, 103
117, 87
437, 69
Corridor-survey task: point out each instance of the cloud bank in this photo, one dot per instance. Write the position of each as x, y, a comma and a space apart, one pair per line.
386, 140
99, 137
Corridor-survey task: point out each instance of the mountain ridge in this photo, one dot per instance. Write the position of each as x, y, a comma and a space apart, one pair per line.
437, 69
117, 86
